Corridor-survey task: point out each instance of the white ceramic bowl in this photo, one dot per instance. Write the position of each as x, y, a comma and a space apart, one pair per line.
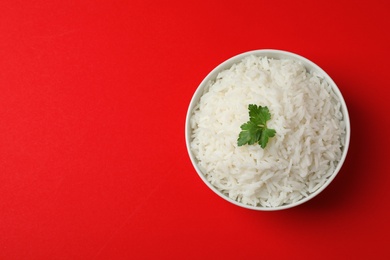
276, 54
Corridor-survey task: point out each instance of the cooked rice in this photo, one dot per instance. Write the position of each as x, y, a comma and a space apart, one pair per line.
307, 117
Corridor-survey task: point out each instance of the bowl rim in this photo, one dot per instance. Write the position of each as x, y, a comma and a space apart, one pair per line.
276, 54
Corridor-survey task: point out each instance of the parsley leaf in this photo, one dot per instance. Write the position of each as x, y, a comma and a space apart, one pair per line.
255, 130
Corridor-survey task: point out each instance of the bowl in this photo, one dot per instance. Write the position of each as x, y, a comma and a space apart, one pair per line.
276, 55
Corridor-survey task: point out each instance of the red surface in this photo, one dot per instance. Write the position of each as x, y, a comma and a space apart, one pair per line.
93, 98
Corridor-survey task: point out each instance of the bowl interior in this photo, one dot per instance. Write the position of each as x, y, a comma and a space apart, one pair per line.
275, 54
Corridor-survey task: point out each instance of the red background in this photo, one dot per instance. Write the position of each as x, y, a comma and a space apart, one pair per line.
93, 98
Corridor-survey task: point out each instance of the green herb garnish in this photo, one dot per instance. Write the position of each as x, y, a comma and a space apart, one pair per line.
255, 130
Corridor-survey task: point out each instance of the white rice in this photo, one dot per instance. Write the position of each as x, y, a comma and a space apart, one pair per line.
298, 160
